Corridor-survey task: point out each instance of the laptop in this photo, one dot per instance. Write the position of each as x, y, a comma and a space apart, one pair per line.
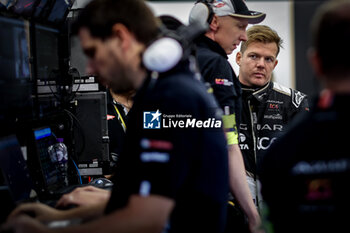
18, 184
36, 177
14, 169
48, 180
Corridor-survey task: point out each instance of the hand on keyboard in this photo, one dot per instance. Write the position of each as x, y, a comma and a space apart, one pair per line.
84, 196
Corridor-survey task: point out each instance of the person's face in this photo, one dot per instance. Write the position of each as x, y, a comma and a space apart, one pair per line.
105, 59
230, 32
257, 63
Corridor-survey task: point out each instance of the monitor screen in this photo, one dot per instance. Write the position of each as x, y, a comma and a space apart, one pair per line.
78, 59
46, 52
15, 77
14, 168
14, 49
16, 105
51, 175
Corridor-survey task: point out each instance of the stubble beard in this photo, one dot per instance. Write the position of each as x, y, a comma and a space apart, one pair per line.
121, 77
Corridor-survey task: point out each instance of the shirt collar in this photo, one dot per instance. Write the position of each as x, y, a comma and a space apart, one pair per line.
259, 93
205, 41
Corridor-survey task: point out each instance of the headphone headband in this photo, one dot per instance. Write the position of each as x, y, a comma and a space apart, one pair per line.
202, 12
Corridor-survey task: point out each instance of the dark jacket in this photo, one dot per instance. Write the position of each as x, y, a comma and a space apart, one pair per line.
305, 174
217, 71
186, 164
265, 113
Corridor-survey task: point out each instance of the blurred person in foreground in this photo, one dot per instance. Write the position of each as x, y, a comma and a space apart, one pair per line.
169, 179
118, 107
305, 173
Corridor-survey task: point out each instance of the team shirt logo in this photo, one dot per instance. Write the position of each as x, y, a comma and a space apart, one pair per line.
224, 82
151, 120
157, 120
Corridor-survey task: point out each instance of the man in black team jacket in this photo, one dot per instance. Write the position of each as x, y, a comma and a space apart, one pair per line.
305, 173
227, 20
267, 106
170, 178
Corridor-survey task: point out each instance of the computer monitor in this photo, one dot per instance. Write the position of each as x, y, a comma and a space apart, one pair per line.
44, 139
78, 59
48, 178
14, 49
47, 53
15, 182
15, 78
14, 169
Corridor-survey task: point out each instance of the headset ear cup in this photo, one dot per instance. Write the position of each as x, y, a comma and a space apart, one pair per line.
162, 55
202, 13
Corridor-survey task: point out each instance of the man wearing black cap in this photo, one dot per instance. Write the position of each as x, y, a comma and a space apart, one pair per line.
228, 20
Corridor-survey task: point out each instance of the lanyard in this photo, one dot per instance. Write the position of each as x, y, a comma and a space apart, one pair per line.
120, 118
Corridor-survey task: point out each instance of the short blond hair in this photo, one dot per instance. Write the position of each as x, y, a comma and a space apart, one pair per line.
262, 34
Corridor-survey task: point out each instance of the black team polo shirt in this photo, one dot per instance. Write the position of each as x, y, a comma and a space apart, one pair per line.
188, 165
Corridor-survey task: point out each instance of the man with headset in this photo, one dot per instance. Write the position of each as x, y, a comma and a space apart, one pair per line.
171, 179
227, 21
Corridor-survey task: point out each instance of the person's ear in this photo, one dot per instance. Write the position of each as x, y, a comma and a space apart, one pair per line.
238, 58
315, 61
214, 25
122, 36
274, 65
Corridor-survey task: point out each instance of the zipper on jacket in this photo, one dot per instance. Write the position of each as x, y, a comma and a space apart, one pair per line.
255, 159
